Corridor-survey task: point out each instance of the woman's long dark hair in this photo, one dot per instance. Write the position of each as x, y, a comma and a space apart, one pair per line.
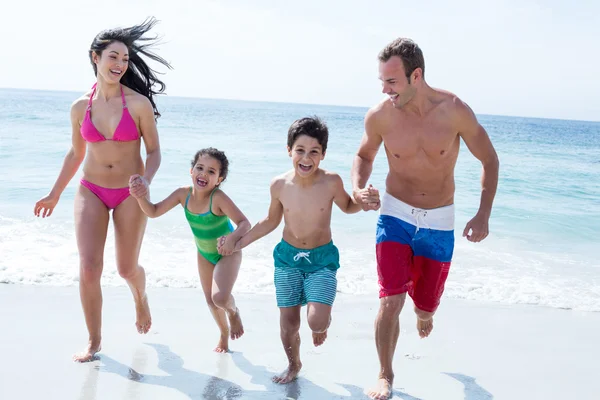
139, 76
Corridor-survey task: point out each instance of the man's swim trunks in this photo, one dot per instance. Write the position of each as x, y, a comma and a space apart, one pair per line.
414, 250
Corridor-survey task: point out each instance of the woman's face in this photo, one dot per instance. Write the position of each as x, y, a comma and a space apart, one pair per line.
113, 62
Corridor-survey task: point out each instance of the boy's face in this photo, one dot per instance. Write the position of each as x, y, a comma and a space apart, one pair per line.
306, 153
205, 174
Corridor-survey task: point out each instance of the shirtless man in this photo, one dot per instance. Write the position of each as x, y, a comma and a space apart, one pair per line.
421, 128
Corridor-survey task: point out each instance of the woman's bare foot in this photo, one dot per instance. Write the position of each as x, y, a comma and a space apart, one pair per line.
319, 338
223, 345
143, 319
89, 354
235, 325
383, 391
289, 374
424, 327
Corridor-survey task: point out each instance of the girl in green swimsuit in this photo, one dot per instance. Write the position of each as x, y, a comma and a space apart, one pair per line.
209, 211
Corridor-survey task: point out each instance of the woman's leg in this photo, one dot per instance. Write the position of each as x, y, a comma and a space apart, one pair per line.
130, 224
91, 224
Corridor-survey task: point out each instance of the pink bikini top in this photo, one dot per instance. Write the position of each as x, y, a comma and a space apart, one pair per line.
126, 130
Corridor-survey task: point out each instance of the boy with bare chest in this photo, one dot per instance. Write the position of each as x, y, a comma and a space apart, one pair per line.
306, 260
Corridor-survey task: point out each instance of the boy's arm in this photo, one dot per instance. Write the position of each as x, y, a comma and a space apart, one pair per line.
224, 204
341, 198
268, 224
156, 210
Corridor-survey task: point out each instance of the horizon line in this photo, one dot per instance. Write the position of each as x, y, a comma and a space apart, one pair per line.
299, 103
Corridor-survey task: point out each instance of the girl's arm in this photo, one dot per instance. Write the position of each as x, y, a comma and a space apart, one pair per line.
222, 204
156, 210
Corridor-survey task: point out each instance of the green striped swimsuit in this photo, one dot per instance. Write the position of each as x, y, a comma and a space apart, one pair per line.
207, 228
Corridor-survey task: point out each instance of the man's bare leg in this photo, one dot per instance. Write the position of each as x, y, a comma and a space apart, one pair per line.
387, 330
91, 225
424, 322
289, 322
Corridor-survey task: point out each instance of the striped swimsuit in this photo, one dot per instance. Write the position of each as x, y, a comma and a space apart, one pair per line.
207, 228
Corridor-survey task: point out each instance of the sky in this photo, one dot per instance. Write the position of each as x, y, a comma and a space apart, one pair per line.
536, 58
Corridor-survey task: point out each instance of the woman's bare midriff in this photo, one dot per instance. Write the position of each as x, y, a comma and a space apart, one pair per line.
110, 164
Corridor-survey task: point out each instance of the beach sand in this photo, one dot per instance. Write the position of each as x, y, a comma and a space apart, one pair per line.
476, 351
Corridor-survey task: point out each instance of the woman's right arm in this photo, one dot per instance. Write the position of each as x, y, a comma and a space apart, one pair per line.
71, 163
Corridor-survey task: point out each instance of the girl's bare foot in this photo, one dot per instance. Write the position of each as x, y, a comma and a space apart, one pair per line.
235, 325
143, 319
223, 345
289, 374
89, 354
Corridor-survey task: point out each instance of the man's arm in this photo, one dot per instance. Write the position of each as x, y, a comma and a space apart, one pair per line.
480, 145
363, 163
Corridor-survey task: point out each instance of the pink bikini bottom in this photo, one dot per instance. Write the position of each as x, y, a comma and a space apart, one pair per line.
110, 197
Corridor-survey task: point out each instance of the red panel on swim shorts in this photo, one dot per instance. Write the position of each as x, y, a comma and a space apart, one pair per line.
429, 278
394, 261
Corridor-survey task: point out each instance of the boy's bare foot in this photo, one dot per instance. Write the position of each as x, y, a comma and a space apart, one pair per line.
424, 327
235, 325
383, 391
89, 354
223, 345
319, 338
143, 319
289, 374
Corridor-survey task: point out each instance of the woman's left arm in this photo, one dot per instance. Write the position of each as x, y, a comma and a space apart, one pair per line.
150, 138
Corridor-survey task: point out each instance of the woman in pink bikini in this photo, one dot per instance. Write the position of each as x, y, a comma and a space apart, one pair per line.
110, 122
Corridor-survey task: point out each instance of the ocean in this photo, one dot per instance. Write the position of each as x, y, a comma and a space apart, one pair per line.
544, 230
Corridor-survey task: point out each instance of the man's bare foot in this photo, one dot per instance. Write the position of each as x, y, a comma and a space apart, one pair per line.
424, 327
319, 338
289, 374
223, 345
143, 319
383, 391
89, 354
235, 325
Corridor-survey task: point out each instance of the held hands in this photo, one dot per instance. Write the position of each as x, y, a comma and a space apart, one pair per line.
45, 206
226, 246
478, 228
138, 186
368, 198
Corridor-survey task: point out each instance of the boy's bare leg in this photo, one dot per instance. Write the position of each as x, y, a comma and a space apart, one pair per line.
224, 277
289, 322
319, 319
387, 330
205, 270
91, 226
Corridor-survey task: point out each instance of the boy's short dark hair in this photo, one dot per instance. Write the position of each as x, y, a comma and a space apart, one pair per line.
309, 126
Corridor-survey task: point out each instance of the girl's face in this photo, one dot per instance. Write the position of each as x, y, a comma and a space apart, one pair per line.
206, 173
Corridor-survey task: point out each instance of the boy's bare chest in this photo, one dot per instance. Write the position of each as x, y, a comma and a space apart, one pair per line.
303, 201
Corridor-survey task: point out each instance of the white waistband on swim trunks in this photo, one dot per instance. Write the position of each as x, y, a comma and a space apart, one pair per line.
441, 218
